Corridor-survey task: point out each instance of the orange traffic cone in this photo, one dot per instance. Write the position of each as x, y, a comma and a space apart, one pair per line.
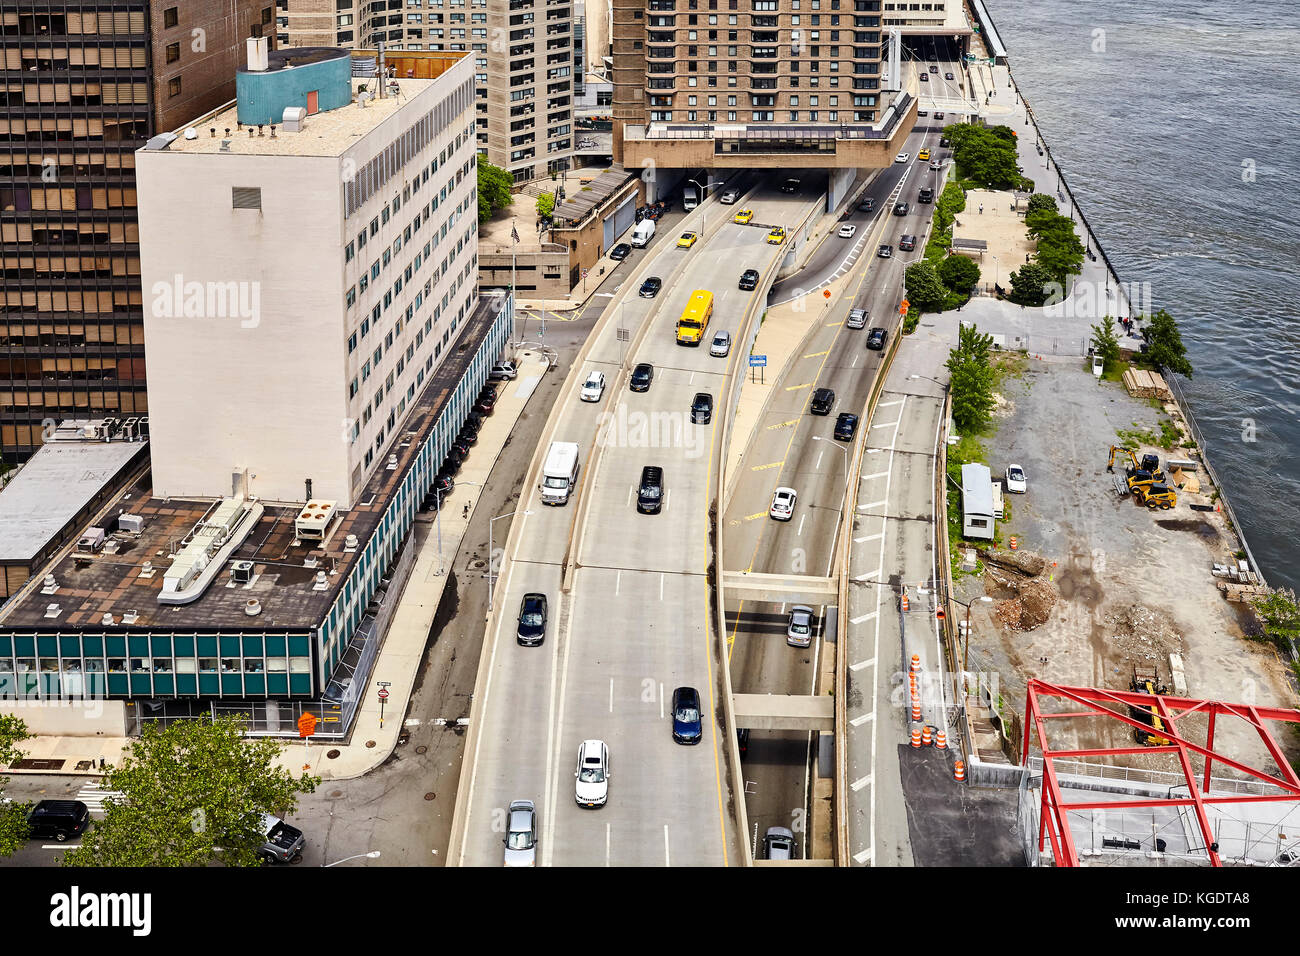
958, 771
916, 662
916, 736
904, 602
940, 740
1014, 543
926, 739
916, 708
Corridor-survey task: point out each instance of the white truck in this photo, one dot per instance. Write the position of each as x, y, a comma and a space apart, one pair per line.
690, 197
560, 472
643, 233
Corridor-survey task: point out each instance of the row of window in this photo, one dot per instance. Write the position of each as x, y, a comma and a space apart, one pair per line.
157, 665
712, 82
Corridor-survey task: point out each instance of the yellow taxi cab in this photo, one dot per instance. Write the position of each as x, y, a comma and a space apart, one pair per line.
923, 155
743, 217
687, 239
776, 236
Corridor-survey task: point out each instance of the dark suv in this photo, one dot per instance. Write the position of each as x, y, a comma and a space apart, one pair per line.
748, 280
702, 408
925, 195
58, 819
876, 339
846, 424
688, 726
823, 399
650, 493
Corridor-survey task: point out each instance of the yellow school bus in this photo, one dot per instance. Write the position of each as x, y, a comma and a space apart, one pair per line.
695, 318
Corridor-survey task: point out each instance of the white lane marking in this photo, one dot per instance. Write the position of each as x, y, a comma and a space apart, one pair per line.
630, 491
618, 582
607, 844
885, 425
667, 859
859, 721
661, 700
861, 782
611, 695
855, 362
60, 846
874, 504
857, 666
862, 857
668, 496
870, 537
801, 520
819, 460
661, 586
862, 617
898, 401
879, 474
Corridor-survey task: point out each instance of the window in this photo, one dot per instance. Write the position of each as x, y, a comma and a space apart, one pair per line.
174, 86
349, 251
173, 52
170, 18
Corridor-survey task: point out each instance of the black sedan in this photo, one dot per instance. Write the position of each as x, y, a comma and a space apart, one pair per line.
823, 399
532, 620
749, 280
688, 726
867, 205
641, 378
900, 209
876, 339
948, 76
620, 251
702, 408
444, 484
650, 288
846, 426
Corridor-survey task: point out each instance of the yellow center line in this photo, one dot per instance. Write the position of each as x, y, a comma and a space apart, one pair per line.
817, 354
758, 514
795, 388
793, 421
771, 464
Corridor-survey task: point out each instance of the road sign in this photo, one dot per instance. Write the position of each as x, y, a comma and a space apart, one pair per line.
584, 273
826, 293
383, 693
306, 725
758, 361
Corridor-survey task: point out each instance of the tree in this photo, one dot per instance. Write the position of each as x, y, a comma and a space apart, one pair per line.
13, 816
1280, 615
1105, 342
951, 201
493, 188
1059, 248
1040, 202
959, 273
546, 205
971, 379
194, 793
1029, 284
987, 156
1166, 348
924, 290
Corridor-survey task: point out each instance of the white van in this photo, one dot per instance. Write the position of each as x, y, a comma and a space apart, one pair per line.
643, 233
559, 473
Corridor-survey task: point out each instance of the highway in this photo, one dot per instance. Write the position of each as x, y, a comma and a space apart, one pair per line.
635, 622
792, 447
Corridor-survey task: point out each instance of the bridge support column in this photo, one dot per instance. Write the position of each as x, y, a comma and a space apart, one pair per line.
841, 180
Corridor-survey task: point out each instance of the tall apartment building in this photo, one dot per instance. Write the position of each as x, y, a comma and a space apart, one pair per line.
737, 83
83, 85
523, 62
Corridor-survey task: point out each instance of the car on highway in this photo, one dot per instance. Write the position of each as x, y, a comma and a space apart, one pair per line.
702, 408
1016, 480
532, 620
924, 78
948, 76
749, 280
642, 376
906, 243
923, 155
504, 371
790, 186
935, 165
620, 251
778, 844
782, 507
867, 205
922, 113
901, 208
650, 492
744, 217
847, 230
687, 239
885, 251
939, 116
721, 344
933, 68
776, 236
857, 319
594, 387
846, 426
729, 196
57, 820
822, 401
521, 834
650, 288
902, 157
688, 726
592, 788
798, 631
876, 339
925, 194
742, 741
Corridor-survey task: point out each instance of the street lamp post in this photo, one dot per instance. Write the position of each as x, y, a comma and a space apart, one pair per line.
997, 271
965, 637
491, 579
703, 195
372, 855
943, 385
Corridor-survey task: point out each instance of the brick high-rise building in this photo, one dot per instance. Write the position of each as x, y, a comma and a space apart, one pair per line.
83, 85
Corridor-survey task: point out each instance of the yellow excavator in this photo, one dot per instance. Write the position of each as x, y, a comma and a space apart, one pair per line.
1150, 464
1148, 683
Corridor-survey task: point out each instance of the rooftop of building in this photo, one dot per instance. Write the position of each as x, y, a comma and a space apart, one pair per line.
60, 480
284, 569
289, 57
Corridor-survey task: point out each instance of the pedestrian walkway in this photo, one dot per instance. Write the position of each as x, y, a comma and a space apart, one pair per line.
93, 796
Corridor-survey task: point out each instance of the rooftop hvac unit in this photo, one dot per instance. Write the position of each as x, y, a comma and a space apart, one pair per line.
314, 518
241, 572
144, 426
129, 522
293, 119
91, 541
130, 428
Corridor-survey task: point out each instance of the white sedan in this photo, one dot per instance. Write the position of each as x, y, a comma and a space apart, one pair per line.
1016, 480
847, 230
594, 387
721, 345
592, 787
902, 157
783, 500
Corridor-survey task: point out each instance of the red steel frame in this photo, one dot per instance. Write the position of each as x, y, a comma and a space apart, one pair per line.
1053, 823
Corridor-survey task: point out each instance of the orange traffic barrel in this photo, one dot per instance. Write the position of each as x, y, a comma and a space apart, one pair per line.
1014, 543
958, 771
941, 740
904, 602
916, 662
916, 708
916, 736
926, 738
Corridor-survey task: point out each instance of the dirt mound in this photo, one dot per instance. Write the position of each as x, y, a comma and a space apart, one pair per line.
1031, 606
1142, 634
1026, 562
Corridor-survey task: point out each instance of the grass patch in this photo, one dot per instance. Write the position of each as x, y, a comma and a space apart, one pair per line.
911, 320
1115, 371
1167, 437
968, 449
1008, 365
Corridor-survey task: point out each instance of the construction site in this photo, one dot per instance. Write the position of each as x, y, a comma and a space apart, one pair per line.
1112, 635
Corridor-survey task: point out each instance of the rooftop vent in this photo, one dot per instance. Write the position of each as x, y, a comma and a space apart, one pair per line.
131, 616
107, 620
146, 569
52, 610
50, 586
191, 133
129, 522
322, 582
252, 607
350, 543
392, 462
258, 54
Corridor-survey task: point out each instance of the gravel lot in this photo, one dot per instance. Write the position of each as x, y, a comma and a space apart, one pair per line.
1134, 585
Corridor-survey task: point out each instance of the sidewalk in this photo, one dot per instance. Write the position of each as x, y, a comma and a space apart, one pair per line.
408, 631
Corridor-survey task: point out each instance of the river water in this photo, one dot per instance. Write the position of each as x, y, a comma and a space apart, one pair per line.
1177, 126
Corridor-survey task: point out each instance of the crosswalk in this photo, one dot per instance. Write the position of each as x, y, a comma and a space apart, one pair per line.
93, 796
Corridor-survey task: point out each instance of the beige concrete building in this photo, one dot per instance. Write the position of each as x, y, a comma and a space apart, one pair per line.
302, 284
522, 53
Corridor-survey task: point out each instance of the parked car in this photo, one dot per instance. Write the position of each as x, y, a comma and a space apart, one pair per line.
847, 230
504, 371
594, 387
721, 344
1016, 480
846, 426
461, 447
620, 252
486, 404
778, 842
702, 408
782, 507
876, 339
642, 375
857, 319
592, 787
521, 834
939, 116
749, 280
688, 725
823, 399
886, 250
467, 437
922, 113
532, 620
57, 820
444, 484
907, 243
687, 239
742, 741
901, 209
450, 465
650, 288
798, 631
283, 842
